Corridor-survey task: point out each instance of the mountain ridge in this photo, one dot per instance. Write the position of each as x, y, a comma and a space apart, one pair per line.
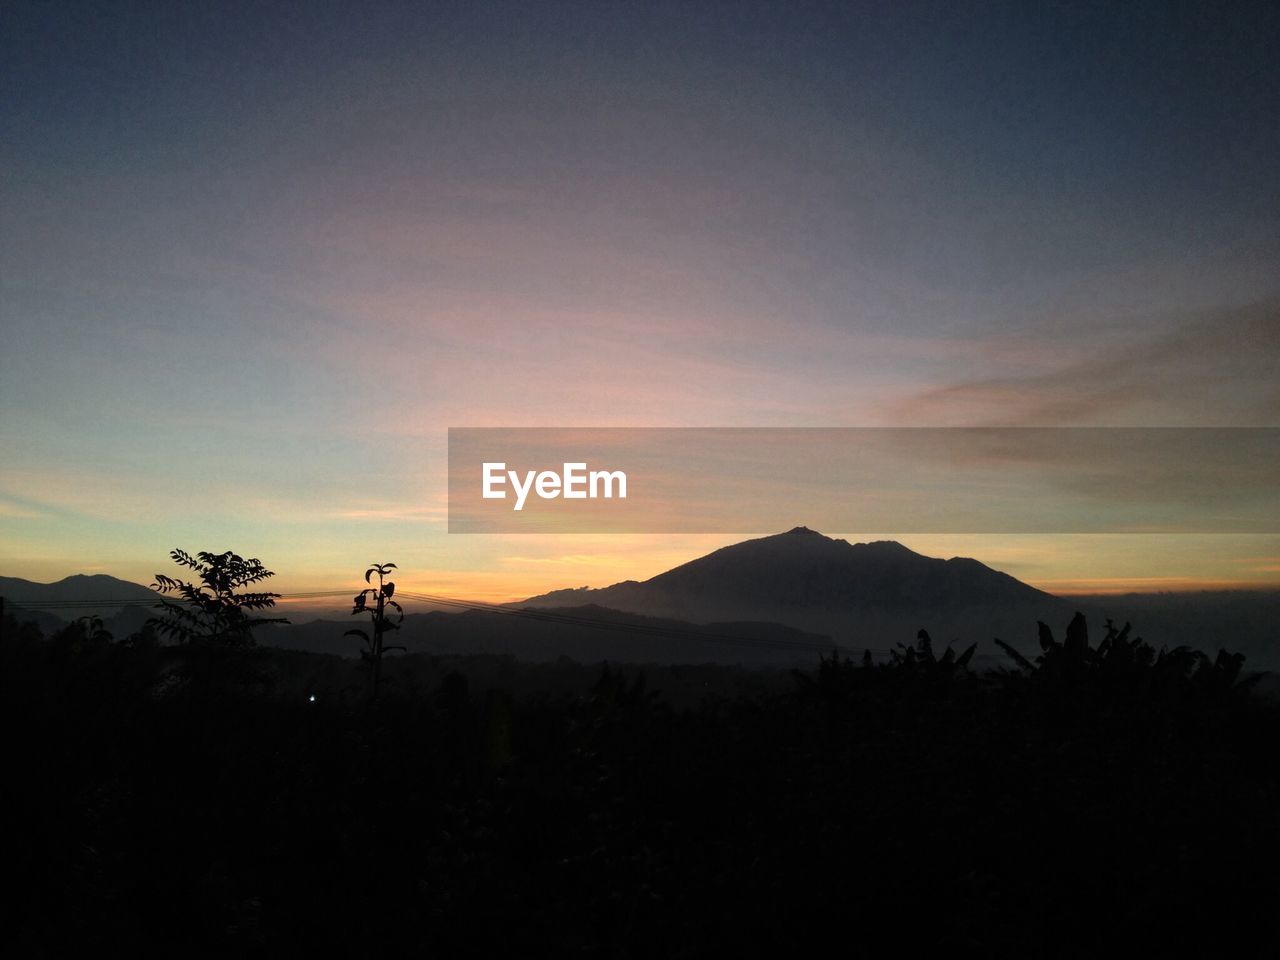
77, 586
802, 567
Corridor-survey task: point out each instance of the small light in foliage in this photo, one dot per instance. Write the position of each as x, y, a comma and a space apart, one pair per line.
312, 698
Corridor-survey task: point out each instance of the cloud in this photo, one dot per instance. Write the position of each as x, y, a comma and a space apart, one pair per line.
1221, 368
16, 511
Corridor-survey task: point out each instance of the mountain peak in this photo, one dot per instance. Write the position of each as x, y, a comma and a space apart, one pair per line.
78, 587
878, 546
803, 574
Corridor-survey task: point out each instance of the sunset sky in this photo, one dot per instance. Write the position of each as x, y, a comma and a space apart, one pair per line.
256, 259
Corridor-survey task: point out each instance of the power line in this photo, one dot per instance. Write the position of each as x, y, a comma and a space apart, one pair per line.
151, 602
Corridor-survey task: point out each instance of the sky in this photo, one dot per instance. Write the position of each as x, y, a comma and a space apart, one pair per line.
256, 259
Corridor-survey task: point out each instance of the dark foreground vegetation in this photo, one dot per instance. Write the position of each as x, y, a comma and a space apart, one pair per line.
1101, 799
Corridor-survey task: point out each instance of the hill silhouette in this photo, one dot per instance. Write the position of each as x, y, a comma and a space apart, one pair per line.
110, 593
796, 587
817, 583
111, 599
588, 634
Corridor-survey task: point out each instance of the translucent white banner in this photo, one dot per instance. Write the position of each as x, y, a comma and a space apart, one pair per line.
865, 479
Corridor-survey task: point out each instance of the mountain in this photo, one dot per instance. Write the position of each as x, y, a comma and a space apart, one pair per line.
95, 587
878, 591
796, 591
802, 569
121, 602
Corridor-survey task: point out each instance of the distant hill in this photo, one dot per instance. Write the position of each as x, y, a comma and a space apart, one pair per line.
96, 587
798, 587
124, 605
879, 594
587, 634
873, 593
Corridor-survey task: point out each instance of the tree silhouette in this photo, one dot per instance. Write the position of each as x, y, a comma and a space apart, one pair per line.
921, 658
1124, 662
94, 630
211, 611
373, 645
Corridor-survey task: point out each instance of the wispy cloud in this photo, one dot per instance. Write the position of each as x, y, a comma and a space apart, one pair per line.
561, 560
1221, 368
17, 511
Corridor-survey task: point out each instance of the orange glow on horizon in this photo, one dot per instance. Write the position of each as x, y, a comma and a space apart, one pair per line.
496, 588
1115, 586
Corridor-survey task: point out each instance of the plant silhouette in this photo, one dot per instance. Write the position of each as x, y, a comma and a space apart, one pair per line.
211, 611
575, 810
93, 629
1124, 663
381, 596
922, 659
